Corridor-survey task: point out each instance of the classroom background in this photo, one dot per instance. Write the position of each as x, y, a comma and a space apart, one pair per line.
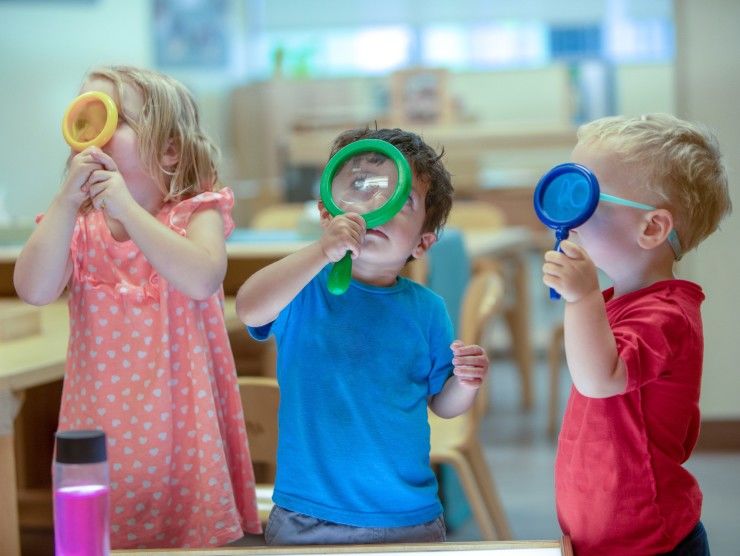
501, 84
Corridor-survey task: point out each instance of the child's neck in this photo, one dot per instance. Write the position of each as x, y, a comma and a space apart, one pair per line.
371, 274
118, 231
644, 278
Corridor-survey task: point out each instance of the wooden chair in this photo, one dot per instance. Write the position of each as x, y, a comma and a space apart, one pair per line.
555, 352
276, 216
478, 216
455, 441
260, 398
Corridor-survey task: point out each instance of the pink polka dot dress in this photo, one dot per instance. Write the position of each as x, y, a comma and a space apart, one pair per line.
154, 370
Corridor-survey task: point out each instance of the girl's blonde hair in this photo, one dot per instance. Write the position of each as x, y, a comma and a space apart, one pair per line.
682, 163
169, 113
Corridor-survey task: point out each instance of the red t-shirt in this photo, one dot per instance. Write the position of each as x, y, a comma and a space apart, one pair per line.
619, 482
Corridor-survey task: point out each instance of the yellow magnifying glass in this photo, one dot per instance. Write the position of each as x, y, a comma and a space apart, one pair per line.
90, 120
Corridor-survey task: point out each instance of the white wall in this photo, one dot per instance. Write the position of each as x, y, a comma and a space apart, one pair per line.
46, 49
645, 88
708, 82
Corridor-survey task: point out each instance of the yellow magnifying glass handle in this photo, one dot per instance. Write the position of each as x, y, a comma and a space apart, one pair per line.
90, 119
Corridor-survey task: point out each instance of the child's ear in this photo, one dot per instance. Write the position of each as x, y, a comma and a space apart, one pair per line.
656, 226
171, 154
324, 215
426, 240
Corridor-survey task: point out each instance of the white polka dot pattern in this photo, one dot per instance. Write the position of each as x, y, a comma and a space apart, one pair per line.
154, 369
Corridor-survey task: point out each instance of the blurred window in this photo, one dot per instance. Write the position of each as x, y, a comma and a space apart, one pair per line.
255, 39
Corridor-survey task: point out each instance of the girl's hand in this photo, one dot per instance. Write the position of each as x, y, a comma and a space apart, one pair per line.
74, 186
470, 364
570, 272
343, 233
107, 188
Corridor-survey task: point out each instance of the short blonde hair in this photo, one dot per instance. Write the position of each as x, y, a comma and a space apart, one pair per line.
169, 112
683, 164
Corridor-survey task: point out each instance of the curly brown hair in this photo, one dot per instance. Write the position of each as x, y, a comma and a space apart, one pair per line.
425, 163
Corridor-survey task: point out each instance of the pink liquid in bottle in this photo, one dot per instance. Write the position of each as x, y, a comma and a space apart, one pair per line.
81, 515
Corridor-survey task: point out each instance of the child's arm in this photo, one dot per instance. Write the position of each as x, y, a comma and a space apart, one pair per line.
590, 348
194, 264
44, 266
268, 291
470, 368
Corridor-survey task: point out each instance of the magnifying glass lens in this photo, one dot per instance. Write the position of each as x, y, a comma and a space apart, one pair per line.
566, 197
88, 121
364, 183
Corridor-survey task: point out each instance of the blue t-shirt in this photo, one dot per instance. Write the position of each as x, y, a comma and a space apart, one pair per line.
355, 373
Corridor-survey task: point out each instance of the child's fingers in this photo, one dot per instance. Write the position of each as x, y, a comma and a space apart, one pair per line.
102, 158
98, 200
343, 234
551, 269
479, 362
355, 238
572, 250
554, 282
460, 349
357, 219
96, 178
471, 382
476, 367
471, 376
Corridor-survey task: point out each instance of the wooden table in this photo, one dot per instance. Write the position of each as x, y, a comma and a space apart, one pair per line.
561, 547
24, 363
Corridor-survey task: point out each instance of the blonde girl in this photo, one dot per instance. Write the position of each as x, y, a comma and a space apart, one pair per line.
136, 235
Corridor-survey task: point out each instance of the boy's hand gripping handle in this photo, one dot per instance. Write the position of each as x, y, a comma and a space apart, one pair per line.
560, 235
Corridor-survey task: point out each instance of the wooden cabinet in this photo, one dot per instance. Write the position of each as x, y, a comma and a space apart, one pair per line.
485, 120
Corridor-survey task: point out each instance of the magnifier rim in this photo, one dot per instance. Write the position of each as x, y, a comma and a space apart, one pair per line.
549, 177
111, 120
395, 202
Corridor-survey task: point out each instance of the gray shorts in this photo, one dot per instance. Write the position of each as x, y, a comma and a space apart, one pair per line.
285, 527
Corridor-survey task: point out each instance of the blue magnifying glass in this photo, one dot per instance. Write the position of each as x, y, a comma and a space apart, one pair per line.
564, 198
568, 194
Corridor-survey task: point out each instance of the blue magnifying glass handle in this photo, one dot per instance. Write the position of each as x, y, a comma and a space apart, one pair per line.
560, 235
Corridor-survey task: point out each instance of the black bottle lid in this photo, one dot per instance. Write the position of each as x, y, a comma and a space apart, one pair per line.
81, 446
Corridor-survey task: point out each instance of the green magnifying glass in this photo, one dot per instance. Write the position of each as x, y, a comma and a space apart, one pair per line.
370, 177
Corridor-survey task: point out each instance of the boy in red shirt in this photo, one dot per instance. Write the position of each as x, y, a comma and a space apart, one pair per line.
635, 351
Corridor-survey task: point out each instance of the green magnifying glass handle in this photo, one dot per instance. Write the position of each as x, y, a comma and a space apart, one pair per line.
340, 275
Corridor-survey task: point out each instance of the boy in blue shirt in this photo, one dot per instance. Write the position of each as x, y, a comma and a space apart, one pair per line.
358, 371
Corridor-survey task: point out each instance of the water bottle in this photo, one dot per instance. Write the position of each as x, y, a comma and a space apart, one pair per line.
81, 494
